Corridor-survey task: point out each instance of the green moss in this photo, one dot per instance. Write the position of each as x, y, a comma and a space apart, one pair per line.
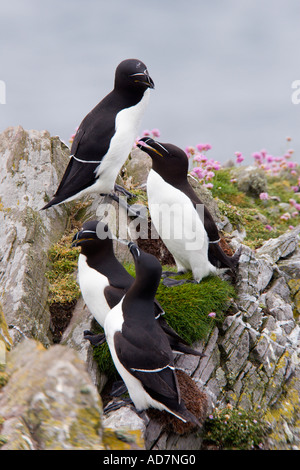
227, 191
255, 214
104, 361
63, 287
187, 306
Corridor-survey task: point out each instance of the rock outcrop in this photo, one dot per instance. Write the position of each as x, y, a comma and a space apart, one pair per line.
50, 394
31, 166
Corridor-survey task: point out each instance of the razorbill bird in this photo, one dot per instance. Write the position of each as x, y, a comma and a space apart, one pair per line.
103, 282
106, 135
183, 222
139, 347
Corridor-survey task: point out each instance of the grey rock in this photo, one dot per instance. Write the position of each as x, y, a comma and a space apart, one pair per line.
290, 266
137, 168
125, 418
251, 359
73, 338
49, 402
278, 248
31, 166
253, 276
251, 180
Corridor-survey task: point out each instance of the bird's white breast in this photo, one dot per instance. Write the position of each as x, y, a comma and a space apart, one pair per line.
92, 285
127, 126
179, 225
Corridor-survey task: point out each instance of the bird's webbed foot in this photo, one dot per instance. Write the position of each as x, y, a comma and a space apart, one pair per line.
177, 282
123, 191
93, 338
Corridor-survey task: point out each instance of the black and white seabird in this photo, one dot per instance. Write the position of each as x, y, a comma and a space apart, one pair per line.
139, 347
192, 237
103, 282
106, 135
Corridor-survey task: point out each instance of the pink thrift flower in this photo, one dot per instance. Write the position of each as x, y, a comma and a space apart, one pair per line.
198, 172
264, 153
217, 166
203, 147
210, 175
190, 151
239, 157
146, 133
200, 147
212, 314
268, 227
209, 185
257, 156
197, 158
264, 196
155, 133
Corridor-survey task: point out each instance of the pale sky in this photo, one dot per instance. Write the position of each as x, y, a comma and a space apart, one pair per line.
223, 69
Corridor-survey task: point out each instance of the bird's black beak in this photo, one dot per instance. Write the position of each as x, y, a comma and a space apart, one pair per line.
152, 147
134, 250
83, 236
143, 77
76, 239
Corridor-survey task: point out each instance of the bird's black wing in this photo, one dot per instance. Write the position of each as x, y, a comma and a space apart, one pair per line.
90, 145
149, 365
113, 295
92, 139
152, 365
147, 346
158, 310
215, 253
78, 176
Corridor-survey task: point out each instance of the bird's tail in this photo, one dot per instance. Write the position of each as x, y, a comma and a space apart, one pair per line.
186, 416
218, 258
178, 346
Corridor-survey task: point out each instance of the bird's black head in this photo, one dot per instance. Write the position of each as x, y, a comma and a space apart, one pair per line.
132, 73
147, 268
169, 161
93, 236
